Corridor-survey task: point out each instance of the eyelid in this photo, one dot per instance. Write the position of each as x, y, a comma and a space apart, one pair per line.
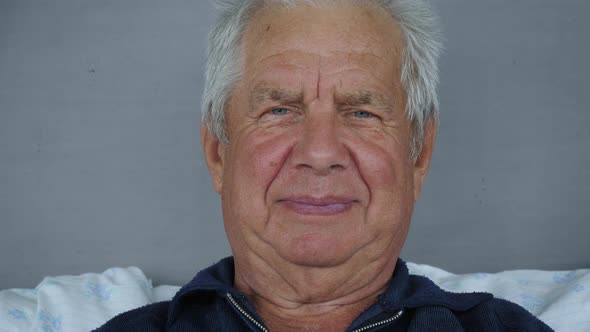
368, 113
287, 107
371, 114
269, 110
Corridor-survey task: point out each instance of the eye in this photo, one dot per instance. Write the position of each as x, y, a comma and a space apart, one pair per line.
362, 114
279, 111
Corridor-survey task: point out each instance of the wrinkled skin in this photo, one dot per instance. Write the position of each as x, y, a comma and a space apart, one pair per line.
317, 182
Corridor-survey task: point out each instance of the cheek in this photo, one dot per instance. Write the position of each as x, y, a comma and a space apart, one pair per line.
387, 172
253, 163
384, 167
259, 158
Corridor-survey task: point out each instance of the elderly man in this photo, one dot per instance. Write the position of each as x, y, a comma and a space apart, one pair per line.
318, 127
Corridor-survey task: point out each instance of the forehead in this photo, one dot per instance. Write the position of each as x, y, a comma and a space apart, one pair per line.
291, 43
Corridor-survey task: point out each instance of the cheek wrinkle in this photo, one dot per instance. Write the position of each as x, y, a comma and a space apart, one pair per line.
356, 160
319, 77
278, 165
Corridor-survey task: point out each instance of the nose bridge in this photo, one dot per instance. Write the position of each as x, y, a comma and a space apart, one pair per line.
320, 145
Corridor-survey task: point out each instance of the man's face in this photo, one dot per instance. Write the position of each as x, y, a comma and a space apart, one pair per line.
318, 169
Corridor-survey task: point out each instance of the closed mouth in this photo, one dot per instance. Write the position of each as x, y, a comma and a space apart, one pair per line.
318, 206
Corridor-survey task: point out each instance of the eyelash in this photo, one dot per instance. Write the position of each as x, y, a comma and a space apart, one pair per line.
356, 114
272, 111
365, 114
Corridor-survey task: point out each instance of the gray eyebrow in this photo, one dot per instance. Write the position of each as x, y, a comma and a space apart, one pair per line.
263, 93
363, 98
350, 99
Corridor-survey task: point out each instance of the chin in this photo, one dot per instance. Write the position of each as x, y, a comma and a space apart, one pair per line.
317, 250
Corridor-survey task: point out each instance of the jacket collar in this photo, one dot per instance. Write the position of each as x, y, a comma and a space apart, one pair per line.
218, 278
404, 290
412, 291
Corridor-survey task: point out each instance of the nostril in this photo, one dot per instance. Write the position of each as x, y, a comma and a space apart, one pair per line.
336, 167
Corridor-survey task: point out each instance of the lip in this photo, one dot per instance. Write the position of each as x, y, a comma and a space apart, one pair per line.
326, 206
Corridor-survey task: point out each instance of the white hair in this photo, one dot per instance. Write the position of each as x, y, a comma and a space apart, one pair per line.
419, 68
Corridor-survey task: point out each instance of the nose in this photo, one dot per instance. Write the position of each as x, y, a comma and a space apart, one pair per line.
320, 146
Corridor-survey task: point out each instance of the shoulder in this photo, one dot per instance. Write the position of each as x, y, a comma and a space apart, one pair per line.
436, 307
151, 317
515, 317
490, 315
501, 315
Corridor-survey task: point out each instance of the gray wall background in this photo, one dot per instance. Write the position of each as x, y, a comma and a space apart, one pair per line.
100, 161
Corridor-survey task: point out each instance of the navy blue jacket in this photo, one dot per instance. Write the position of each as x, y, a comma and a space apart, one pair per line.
411, 303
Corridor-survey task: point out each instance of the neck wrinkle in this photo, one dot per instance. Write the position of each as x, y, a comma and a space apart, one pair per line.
298, 301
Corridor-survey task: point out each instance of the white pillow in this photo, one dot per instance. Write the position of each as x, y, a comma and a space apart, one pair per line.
74, 303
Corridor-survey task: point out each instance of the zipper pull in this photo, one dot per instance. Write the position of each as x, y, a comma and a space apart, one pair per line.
245, 314
380, 323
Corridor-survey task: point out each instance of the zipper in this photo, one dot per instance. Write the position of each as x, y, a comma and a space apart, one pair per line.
264, 329
380, 323
243, 312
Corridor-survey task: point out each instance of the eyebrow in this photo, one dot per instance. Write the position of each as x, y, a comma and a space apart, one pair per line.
364, 98
349, 99
264, 93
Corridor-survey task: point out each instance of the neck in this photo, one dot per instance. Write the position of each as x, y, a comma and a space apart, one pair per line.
300, 298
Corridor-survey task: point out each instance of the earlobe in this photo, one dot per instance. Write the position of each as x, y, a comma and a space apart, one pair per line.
214, 152
422, 162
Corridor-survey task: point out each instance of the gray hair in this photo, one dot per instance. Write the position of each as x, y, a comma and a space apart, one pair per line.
419, 68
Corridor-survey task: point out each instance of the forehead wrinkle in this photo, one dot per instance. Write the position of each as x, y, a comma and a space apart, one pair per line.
318, 79
364, 66
291, 59
295, 59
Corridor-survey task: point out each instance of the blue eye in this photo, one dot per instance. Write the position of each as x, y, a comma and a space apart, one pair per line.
362, 114
279, 111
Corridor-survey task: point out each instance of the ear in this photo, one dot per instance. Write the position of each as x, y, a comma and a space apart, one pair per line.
214, 156
422, 162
